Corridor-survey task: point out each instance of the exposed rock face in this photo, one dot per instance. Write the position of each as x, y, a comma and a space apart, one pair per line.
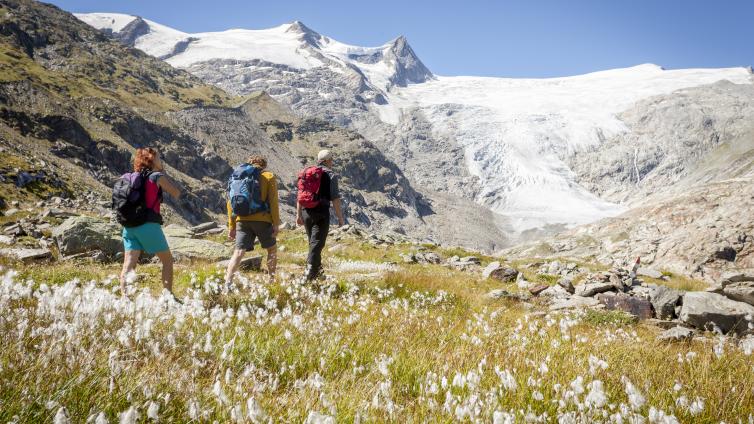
741, 291
636, 306
709, 311
684, 234
82, 234
664, 300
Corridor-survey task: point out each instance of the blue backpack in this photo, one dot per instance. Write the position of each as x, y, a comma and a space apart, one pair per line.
244, 191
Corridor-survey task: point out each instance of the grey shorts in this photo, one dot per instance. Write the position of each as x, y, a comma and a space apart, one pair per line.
248, 231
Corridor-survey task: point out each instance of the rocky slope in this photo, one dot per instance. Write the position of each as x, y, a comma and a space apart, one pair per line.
75, 104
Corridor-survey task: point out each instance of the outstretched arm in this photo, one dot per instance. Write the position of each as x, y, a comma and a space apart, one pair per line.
169, 186
339, 212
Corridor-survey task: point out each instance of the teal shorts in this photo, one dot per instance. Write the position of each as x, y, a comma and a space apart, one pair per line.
148, 237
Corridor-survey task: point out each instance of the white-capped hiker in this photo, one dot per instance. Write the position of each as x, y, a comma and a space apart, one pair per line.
317, 189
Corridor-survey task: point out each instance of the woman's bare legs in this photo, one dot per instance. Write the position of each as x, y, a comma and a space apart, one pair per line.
167, 269
130, 259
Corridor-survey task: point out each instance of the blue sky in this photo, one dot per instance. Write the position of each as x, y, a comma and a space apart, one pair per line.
537, 38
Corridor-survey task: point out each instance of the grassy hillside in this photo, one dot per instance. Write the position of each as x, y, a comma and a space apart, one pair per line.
379, 341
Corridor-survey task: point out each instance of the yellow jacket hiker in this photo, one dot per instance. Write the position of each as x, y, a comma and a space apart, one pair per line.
246, 229
269, 193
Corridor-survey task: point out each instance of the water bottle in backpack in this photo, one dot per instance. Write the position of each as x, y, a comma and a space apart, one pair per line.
244, 191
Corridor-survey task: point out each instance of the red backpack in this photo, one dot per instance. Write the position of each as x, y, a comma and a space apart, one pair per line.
309, 181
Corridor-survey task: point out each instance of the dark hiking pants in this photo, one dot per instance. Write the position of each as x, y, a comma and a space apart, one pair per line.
317, 225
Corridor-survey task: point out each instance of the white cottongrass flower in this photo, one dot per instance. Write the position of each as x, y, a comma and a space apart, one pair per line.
317, 418
153, 411
383, 362
507, 380
62, 417
596, 397
254, 411
596, 364
696, 407
129, 416
101, 419
502, 417
658, 416
537, 395
635, 398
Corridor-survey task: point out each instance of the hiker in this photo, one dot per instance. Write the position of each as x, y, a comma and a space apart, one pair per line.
136, 200
252, 213
317, 188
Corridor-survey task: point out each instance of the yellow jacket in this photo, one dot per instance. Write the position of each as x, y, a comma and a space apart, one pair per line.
269, 193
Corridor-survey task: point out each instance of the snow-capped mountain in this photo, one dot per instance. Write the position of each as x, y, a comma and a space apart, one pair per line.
511, 145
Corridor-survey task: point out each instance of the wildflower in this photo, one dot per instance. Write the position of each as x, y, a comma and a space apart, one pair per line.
502, 417
596, 364
658, 416
62, 417
129, 416
153, 411
635, 398
254, 411
317, 418
537, 395
596, 397
101, 419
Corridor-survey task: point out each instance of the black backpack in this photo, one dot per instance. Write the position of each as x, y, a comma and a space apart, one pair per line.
129, 199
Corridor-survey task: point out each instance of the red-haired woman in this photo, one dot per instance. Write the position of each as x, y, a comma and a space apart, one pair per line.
149, 236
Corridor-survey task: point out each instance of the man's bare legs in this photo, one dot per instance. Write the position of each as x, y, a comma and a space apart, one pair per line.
130, 259
272, 261
235, 261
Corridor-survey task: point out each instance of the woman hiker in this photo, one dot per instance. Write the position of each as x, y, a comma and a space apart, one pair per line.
149, 236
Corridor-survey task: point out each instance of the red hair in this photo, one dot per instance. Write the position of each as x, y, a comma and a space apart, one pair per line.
144, 158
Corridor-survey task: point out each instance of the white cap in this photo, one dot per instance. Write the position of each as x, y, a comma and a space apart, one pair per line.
323, 155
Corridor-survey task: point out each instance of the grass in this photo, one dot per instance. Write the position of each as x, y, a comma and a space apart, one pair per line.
375, 349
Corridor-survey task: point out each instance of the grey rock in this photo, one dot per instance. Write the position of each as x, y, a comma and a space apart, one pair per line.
11, 211
504, 294
664, 300
736, 277
6, 239
81, 234
174, 230
56, 213
197, 249
567, 284
590, 289
555, 292
742, 291
251, 263
539, 288
471, 259
638, 307
204, 227
27, 255
649, 272
574, 302
499, 272
708, 311
15, 230
676, 334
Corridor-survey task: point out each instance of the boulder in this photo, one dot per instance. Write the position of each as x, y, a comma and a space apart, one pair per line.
736, 277
500, 272
567, 284
590, 289
80, 234
204, 227
191, 249
664, 324
742, 291
676, 334
252, 263
574, 302
649, 272
6, 239
471, 259
638, 307
708, 311
555, 292
539, 288
27, 255
174, 230
664, 300
504, 294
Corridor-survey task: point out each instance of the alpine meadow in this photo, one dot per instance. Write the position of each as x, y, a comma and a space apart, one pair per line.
269, 225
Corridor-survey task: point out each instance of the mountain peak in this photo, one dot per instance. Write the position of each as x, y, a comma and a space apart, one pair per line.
307, 34
408, 67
